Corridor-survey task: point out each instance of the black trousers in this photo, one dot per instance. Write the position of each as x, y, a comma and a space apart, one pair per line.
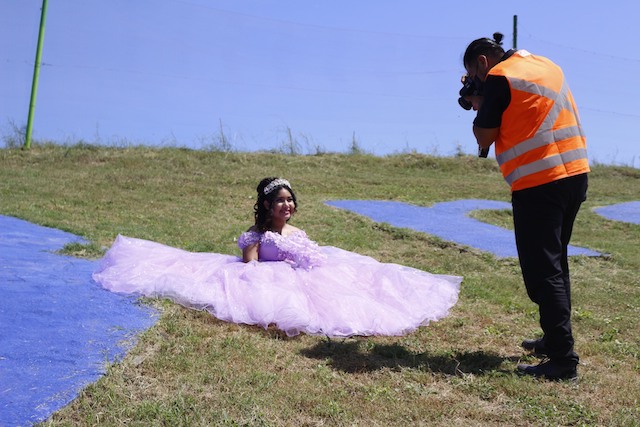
543, 218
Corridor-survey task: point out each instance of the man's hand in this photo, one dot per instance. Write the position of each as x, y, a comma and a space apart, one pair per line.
485, 136
475, 101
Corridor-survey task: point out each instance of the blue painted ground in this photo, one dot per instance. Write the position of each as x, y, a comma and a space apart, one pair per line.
625, 212
448, 221
58, 328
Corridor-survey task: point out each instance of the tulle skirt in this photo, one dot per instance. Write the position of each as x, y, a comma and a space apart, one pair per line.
350, 294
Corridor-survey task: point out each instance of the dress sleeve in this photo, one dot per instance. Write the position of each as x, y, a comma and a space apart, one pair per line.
301, 251
248, 238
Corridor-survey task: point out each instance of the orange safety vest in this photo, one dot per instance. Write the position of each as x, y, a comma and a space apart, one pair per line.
540, 138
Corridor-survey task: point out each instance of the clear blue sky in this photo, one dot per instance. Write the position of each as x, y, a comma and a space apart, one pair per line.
170, 72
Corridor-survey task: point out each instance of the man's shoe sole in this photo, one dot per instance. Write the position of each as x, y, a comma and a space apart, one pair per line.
530, 370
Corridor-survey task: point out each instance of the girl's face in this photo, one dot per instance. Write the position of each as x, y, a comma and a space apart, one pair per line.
283, 206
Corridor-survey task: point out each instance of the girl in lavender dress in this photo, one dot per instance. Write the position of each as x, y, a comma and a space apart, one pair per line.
283, 279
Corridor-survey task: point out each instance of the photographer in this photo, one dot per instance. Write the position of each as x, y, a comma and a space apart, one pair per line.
524, 105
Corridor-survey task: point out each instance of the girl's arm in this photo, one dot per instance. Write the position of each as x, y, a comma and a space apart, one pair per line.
250, 253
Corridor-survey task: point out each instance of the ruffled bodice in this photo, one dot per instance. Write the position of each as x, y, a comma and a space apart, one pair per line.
296, 248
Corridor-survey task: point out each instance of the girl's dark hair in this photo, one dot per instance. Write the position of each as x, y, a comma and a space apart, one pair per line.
262, 213
484, 46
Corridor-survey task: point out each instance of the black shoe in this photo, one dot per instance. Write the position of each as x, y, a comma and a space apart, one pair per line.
550, 370
536, 346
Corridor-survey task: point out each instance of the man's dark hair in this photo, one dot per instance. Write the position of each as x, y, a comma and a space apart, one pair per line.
484, 46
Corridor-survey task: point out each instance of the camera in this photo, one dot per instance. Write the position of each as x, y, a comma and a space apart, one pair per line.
469, 88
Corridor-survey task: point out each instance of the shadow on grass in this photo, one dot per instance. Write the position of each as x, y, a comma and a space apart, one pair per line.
361, 356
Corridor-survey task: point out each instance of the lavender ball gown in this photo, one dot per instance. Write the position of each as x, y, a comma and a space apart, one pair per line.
318, 290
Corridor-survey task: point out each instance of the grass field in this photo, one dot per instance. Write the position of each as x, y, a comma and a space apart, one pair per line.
191, 369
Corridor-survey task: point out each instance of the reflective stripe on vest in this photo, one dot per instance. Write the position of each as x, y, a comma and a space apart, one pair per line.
545, 134
546, 163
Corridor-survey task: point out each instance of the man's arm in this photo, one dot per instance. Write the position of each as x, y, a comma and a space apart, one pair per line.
485, 136
497, 97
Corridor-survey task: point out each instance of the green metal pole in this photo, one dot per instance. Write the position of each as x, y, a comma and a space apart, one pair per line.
515, 31
36, 75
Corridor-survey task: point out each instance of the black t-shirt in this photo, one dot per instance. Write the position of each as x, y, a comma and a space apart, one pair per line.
497, 97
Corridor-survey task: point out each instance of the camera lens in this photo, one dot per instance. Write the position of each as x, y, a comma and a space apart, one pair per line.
469, 88
464, 103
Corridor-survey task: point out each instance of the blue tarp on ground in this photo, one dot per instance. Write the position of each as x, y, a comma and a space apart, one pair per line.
448, 221
58, 328
624, 212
